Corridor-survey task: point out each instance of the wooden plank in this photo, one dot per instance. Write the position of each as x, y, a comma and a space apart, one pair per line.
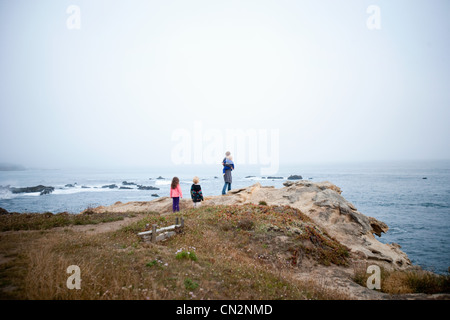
154, 232
165, 235
172, 227
144, 233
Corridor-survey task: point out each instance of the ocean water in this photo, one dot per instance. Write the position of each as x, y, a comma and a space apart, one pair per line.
412, 198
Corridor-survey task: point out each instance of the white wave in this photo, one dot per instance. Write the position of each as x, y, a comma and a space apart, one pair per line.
255, 178
68, 191
6, 194
28, 194
163, 182
79, 189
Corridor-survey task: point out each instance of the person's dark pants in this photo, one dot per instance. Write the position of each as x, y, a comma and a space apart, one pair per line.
176, 204
225, 187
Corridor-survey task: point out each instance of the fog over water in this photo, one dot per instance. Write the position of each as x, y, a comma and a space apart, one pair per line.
142, 83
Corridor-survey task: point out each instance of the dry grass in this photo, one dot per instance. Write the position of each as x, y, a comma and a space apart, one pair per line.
238, 255
48, 220
406, 281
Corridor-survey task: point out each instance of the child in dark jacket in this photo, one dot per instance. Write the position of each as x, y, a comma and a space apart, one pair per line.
196, 192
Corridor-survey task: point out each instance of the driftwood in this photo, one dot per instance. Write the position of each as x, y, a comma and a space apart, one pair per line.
156, 234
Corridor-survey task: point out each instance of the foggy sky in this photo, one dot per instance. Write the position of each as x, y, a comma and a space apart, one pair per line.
116, 90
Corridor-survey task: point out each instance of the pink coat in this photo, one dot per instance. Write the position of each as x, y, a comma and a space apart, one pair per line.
176, 192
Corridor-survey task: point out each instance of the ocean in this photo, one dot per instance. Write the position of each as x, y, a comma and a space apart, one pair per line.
412, 198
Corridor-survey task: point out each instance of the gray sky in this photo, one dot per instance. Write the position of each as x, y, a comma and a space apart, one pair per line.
118, 89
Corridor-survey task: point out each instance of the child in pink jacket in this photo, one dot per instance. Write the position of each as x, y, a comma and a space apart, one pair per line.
175, 194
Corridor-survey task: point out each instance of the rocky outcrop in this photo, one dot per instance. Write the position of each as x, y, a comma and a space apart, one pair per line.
110, 186
126, 183
378, 227
140, 187
40, 188
321, 201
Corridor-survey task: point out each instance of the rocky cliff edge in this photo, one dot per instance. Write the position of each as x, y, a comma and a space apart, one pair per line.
321, 201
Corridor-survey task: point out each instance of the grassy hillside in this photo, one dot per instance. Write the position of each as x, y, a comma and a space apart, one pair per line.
224, 252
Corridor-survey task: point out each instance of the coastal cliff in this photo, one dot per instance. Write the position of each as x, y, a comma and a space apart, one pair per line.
322, 202
301, 241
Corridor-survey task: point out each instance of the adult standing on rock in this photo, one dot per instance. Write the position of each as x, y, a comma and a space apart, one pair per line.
228, 165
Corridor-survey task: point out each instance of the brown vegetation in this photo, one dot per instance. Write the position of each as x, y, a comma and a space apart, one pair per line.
415, 280
225, 252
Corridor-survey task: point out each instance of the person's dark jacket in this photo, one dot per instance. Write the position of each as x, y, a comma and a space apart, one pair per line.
227, 176
196, 193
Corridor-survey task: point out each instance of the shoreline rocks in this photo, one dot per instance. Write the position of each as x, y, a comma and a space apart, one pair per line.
70, 185
110, 186
40, 188
126, 183
141, 187
43, 190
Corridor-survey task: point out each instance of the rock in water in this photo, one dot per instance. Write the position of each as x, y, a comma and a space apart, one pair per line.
110, 186
40, 188
47, 190
295, 177
140, 187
